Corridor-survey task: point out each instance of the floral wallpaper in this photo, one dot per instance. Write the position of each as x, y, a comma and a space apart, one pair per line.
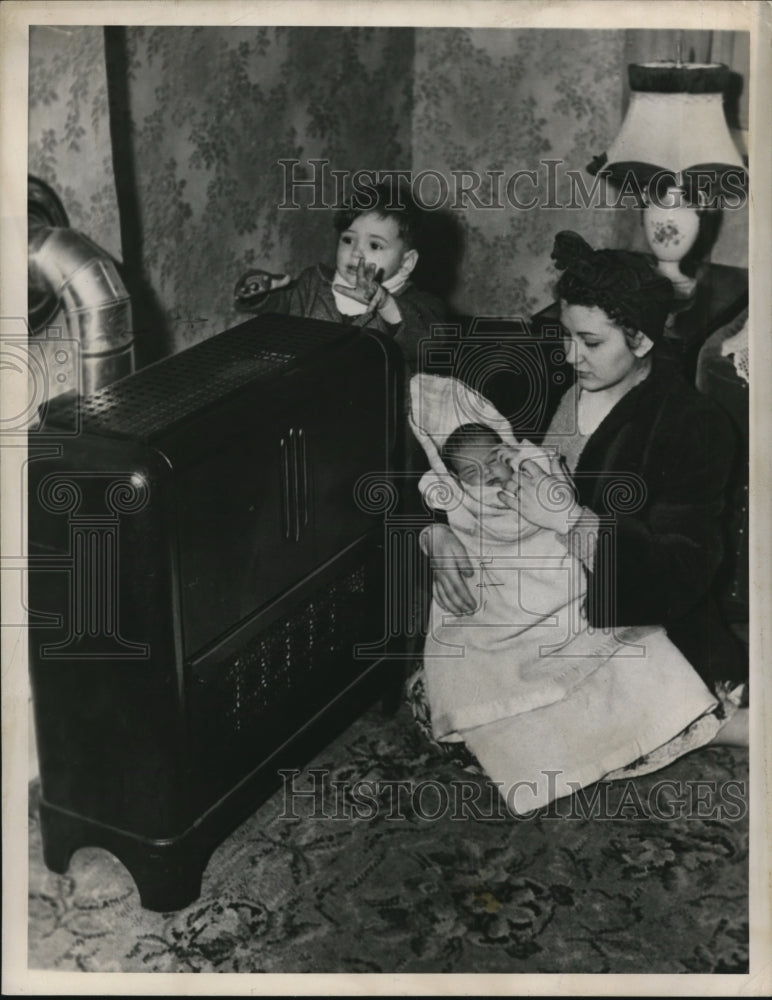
494, 100
212, 111
69, 127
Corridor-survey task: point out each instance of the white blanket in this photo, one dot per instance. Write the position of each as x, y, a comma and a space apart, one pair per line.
528, 645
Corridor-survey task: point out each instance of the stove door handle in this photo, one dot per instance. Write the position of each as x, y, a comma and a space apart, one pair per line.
285, 486
303, 469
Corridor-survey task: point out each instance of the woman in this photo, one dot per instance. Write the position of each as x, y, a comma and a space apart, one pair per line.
650, 459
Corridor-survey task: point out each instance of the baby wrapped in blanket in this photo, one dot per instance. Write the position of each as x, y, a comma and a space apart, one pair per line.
546, 703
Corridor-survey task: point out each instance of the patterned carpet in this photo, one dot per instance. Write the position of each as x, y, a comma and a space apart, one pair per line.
363, 879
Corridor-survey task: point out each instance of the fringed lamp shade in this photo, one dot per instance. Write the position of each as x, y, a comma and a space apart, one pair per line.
675, 125
675, 154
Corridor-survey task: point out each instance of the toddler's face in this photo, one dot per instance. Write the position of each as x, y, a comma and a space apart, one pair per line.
483, 464
374, 238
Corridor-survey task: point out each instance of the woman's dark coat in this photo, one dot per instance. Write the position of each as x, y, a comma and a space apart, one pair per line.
656, 471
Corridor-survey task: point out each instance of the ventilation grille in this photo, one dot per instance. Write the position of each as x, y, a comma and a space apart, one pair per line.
286, 656
150, 401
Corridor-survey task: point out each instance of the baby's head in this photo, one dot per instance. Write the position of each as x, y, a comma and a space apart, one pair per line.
380, 226
474, 454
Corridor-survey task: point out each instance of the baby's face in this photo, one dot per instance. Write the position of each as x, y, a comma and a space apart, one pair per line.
485, 464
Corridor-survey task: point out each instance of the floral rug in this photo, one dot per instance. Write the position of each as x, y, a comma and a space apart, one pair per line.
401, 861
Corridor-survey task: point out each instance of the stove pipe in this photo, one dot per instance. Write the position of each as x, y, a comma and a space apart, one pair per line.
83, 277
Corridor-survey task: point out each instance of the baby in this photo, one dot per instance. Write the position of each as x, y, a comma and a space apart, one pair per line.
520, 677
476, 455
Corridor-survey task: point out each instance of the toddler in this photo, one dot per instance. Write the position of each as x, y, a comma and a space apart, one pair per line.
377, 251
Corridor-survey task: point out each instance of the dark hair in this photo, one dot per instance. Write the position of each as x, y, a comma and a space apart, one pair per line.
462, 437
575, 293
386, 200
622, 283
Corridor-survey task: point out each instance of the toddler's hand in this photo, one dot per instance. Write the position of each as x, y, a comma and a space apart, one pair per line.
371, 293
368, 287
253, 285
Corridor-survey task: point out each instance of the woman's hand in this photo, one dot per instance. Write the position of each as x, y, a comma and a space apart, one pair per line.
546, 499
451, 569
371, 293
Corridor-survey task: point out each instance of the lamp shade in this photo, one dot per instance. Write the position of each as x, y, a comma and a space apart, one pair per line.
674, 126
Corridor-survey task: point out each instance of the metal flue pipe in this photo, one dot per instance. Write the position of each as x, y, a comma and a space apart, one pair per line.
96, 304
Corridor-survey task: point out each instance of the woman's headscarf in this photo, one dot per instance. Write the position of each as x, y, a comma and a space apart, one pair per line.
620, 282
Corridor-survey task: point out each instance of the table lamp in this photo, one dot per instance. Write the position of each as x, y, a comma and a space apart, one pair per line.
675, 153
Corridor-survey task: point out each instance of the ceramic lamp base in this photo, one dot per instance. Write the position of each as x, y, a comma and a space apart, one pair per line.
672, 226
684, 287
